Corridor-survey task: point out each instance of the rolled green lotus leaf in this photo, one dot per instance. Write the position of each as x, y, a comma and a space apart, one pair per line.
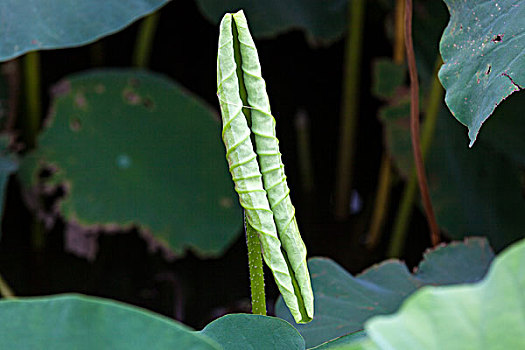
265, 197
272, 168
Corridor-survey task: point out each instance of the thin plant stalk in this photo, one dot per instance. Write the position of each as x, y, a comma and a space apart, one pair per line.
397, 242
349, 108
255, 265
381, 202
5, 291
399, 32
414, 127
145, 38
32, 85
404, 212
32, 99
384, 187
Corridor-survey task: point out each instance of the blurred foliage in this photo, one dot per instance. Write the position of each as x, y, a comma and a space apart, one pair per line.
343, 302
132, 148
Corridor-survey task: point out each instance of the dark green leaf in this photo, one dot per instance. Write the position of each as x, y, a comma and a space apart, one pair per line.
133, 148
484, 315
504, 131
483, 49
241, 331
259, 174
322, 21
51, 24
474, 191
345, 342
80, 322
343, 302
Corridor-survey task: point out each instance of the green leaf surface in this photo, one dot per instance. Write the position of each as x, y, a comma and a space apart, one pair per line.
52, 24
474, 191
483, 50
272, 167
243, 331
345, 342
81, 322
484, 315
267, 206
323, 22
344, 302
132, 148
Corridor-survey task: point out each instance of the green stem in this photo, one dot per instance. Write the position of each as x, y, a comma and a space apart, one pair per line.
145, 37
5, 290
399, 37
350, 102
381, 202
255, 265
404, 213
33, 100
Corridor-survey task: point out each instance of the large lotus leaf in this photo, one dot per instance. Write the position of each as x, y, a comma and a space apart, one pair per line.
346, 342
323, 21
474, 191
132, 148
343, 302
243, 331
483, 49
8, 165
51, 24
81, 322
485, 315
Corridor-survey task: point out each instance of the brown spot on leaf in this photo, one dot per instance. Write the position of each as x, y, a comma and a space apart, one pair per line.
81, 241
80, 100
148, 103
226, 202
131, 97
61, 88
75, 124
498, 38
155, 245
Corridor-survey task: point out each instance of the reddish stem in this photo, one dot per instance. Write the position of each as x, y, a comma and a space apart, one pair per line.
414, 127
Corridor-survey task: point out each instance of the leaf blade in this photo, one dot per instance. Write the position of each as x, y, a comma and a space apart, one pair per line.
483, 50
469, 316
73, 321
272, 167
43, 25
244, 167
